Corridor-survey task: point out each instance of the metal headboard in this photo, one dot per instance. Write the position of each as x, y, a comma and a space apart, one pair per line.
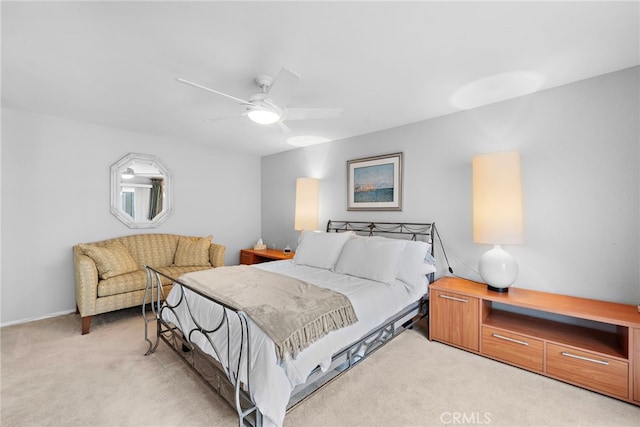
375, 228
426, 231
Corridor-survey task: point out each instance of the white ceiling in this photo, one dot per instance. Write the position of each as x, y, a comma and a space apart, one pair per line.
385, 63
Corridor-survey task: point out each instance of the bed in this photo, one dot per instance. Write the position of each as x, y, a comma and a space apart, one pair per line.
378, 287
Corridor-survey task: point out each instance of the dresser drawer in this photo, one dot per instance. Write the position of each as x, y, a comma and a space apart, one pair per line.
513, 348
594, 371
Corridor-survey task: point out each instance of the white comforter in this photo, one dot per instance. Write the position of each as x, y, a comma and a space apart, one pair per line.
271, 383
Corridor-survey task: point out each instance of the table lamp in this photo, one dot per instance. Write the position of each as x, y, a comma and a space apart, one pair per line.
497, 215
306, 213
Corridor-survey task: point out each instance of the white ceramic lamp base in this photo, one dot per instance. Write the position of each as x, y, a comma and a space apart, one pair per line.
498, 268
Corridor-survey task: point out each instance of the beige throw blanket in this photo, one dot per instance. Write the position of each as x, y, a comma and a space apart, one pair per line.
293, 313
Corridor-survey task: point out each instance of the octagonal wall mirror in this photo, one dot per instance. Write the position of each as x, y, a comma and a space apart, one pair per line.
140, 191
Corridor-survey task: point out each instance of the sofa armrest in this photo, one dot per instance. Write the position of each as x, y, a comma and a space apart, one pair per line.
86, 275
216, 254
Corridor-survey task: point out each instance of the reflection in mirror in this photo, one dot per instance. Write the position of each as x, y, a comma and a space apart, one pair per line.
140, 191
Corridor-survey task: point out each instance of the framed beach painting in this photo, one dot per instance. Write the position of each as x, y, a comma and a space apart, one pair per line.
375, 183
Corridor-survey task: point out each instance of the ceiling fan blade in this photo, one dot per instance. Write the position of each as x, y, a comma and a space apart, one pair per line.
224, 117
241, 101
282, 88
312, 113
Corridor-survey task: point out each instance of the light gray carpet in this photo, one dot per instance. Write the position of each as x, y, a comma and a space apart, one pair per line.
53, 376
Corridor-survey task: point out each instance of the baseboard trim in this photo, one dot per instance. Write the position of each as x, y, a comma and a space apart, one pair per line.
33, 319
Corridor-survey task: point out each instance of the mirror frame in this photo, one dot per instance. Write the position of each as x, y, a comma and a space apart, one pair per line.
116, 188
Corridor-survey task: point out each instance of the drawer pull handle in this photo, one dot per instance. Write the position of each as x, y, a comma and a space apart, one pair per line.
509, 339
453, 298
602, 362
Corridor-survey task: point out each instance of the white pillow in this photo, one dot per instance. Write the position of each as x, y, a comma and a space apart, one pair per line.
428, 268
317, 249
411, 265
422, 284
374, 258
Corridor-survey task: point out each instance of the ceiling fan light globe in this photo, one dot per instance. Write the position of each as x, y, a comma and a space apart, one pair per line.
264, 117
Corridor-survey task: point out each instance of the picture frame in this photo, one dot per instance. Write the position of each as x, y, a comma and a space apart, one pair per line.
375, 183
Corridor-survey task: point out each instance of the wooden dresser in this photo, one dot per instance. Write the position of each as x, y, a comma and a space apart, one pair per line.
589, 343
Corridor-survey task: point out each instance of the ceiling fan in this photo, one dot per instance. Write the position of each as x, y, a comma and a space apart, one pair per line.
271, 104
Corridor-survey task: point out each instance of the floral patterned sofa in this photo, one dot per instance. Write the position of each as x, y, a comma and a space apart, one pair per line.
110, 274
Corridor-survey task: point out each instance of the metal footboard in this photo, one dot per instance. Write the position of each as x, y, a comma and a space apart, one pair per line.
223, 378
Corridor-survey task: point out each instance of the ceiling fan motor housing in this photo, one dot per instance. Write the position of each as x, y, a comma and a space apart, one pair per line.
260, 101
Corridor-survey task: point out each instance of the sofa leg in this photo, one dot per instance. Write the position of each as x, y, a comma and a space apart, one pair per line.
86, 324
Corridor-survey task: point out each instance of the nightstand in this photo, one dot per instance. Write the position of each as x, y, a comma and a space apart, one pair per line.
252, 256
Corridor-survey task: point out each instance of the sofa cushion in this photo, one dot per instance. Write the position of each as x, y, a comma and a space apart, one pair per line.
112, 258
123, 283
192, 251
137, 280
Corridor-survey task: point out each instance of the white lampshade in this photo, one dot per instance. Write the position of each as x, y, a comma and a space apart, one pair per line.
497, 199
497, 214
307, 194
